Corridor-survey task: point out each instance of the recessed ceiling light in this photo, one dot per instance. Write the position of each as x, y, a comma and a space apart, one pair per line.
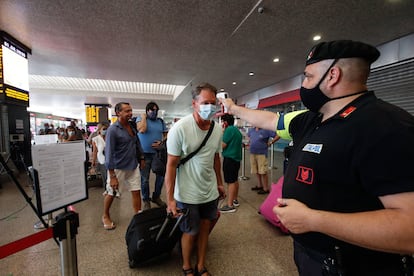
221, 89
234, 83
251, 74
317, 37
276, 60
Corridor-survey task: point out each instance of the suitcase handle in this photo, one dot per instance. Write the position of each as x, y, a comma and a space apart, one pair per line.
182, 212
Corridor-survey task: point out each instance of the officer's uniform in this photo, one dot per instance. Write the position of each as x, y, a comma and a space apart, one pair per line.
344, 165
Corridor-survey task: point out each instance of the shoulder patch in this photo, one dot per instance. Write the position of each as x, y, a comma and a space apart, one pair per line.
305, 175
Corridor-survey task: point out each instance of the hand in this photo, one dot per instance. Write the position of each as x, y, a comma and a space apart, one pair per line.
142, 164
93, 163
227, 103
156, 144
143, 116
294, 215
222, 191
172, 207
114, 183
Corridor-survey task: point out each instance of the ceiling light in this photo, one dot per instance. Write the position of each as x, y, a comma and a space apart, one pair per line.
234, 83
221, 89
251, 74
316, 37
276, 60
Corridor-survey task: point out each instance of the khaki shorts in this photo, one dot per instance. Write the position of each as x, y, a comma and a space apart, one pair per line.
258, 164
125, 177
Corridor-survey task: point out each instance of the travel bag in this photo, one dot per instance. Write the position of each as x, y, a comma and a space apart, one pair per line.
151, 234
266, 209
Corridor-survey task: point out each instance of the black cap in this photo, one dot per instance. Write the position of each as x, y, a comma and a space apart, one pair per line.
342, 49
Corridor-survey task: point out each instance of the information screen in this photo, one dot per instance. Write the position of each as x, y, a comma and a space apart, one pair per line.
14, 75
15, 67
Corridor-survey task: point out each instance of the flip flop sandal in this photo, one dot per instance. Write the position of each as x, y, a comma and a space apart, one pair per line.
110, 226
188, 271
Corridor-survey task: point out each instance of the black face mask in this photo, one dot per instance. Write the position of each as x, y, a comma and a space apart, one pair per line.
314, 98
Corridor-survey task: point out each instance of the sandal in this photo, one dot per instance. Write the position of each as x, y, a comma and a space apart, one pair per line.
188, 271
110, 226
256, 188
201, 272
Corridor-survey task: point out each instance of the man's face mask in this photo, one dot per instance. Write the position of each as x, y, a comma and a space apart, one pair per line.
207, 111
313, 98
152, 114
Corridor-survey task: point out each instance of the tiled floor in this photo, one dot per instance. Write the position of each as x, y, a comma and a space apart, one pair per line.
242, 243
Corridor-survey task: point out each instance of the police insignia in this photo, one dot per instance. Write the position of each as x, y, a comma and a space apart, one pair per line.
305, 175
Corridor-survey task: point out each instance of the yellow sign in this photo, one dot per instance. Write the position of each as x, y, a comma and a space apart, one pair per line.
14, 94
92, 114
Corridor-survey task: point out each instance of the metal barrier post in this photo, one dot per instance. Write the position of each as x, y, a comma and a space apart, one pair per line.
243, 176
66, 228
271, 157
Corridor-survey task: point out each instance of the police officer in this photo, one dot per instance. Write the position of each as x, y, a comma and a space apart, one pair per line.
348, 196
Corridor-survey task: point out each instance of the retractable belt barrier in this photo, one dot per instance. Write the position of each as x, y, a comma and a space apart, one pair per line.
26, 242
64, 229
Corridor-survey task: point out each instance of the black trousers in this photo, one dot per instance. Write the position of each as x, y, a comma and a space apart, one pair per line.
311, 263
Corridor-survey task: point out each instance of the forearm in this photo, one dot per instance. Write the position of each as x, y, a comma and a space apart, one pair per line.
142, 125
389, 230
170, 175
217, 169
258, 118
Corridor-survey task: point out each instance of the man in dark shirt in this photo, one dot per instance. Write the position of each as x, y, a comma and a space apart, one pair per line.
348, 192
122, 160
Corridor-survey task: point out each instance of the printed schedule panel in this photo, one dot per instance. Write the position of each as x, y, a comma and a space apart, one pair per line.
60, 178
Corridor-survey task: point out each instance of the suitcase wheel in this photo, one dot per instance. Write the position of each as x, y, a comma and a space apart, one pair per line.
131, 263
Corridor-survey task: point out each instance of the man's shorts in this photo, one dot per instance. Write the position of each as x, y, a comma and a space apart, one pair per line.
258, 164
190, 224
230, 170
125, 177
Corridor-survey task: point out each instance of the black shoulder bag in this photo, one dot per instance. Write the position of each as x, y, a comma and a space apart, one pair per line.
188, 157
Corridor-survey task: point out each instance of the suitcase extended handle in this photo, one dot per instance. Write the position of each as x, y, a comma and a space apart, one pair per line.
182, 212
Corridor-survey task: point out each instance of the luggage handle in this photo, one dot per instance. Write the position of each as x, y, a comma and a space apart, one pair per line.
182, 212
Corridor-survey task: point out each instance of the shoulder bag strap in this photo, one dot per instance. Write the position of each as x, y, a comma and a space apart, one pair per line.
188, 157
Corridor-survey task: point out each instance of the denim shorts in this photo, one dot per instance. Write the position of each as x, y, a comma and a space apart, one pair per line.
190, 224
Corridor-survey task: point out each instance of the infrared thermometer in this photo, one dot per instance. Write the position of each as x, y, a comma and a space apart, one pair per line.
223, 95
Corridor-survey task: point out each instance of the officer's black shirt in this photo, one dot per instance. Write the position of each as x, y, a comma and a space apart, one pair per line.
346, 162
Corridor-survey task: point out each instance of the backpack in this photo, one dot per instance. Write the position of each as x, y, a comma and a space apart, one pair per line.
159, 161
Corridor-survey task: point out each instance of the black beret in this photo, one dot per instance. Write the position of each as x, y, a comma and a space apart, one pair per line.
342, 49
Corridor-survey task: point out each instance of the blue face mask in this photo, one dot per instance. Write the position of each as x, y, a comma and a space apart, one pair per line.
207, 111
103, 132
152, 114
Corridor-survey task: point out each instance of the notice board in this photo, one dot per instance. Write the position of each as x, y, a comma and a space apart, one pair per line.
60, 175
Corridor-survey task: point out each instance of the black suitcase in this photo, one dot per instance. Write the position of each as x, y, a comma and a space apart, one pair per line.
151, 234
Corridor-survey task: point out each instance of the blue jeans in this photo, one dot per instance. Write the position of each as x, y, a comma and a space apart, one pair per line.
145, 175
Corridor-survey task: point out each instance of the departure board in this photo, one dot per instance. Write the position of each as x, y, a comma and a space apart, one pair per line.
92, 114
14, 71
96, 113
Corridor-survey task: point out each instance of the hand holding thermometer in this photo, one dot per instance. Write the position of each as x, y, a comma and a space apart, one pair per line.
223, 95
